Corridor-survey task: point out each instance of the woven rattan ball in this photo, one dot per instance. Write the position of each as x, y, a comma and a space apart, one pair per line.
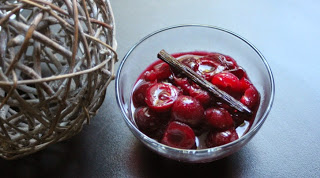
56, 61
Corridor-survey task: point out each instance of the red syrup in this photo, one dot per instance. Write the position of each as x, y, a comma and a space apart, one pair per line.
175, 111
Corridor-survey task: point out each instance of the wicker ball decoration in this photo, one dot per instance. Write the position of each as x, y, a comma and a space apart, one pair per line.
56, 61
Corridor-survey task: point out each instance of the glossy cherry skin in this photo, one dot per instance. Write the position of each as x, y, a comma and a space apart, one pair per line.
215, 138
149, 121
159, 72
227, 82
182, 83
162, 70
251, 97
188, 110
245, 83
219, 118
150, 75
179, 135
201, 95
161, 96
139, 93
206, 68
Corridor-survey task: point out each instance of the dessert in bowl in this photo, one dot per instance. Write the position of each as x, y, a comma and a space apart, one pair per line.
175, 117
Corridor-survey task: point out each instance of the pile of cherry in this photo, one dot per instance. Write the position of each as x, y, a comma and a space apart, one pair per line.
177, 112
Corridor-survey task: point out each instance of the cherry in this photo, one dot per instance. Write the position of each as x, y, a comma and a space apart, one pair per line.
239, 72
161, 96
179, 135
162, 70
139, 93
182, 83
219, 118
159, 72
251, 97
201, 95
222, 104
206, 68
215, 138
149, 121
231, 63
150, 75
187, 110
227, 82
244, 84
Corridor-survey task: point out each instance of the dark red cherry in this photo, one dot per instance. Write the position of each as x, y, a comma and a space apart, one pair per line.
251, 97
215, 138
150, 75
219, 118
139, 93
162, 70
161, 96
188, 110
244, 84
227, 82
221, 104
239, 72
147, 120
179, 135
182, 83
201, 95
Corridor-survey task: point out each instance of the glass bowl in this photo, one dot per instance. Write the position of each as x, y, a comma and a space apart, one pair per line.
186, 38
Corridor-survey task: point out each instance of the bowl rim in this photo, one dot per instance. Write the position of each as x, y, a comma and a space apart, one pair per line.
249, 134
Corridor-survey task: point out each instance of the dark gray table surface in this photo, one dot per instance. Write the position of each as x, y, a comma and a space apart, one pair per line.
287, 33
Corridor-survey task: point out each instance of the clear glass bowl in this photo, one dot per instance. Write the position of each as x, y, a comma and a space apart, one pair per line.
186, 38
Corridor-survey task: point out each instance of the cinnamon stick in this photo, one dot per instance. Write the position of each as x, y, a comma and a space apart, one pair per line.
163, 55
